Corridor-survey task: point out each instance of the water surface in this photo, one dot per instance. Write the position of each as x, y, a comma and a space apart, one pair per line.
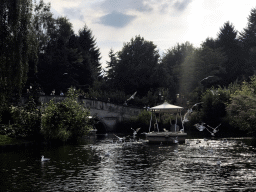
108, 165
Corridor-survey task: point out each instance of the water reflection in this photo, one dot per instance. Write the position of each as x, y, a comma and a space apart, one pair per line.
106, 165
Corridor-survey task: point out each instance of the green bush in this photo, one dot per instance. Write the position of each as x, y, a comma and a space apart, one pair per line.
66, 120
241, 110
25, 121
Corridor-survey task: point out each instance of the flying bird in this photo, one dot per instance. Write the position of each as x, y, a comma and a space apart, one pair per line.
200, 127
132, 97
135, 131
185, 119
44, 159
206, 78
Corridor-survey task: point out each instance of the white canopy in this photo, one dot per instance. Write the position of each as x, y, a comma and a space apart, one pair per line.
166, 107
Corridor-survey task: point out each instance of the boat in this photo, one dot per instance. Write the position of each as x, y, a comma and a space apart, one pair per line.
168, 135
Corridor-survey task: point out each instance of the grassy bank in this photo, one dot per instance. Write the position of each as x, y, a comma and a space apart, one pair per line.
5, 140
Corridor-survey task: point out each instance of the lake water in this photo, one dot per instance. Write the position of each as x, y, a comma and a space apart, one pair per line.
107, 165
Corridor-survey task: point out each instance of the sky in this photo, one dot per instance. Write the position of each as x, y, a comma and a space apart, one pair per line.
164, 22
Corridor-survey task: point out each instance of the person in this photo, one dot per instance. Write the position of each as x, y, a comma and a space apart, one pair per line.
172, 129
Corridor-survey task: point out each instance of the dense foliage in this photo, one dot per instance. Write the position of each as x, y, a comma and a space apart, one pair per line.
66, 120
24, 121
17, 48
242, 108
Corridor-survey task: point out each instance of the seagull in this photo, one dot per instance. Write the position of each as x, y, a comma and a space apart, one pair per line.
132, 97
165, 130
200, 127
214, 130
135, 131
176, 140
44, 159
120, 139
218, 162
206, 78
185, 119
194, 106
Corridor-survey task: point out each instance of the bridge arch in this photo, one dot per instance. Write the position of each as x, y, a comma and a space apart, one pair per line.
100, 126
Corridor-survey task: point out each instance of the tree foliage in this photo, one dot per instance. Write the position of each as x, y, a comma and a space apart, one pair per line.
248, 42
66, 120
242, 107
233, 67
136, 69
174, 64
16, 47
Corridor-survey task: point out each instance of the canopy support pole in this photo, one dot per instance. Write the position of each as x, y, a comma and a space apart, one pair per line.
176, 123
182, 122
150, 122
156, 124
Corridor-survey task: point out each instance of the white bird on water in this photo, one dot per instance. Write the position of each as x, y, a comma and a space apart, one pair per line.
44, 159
219, 162
176, 140
120, 139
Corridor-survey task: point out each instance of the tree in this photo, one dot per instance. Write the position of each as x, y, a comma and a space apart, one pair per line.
136, 68
91, 54
174, 66
248, 41
209, 42
55, 61
209, 62
16, 47
111, 64
241, 109
228, 43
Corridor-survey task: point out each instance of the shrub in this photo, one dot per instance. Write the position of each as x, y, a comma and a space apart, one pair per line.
66, 120
25, 121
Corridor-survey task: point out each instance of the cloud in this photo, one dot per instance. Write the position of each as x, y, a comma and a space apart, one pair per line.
181, 5
116, 19
73, 13
124, 5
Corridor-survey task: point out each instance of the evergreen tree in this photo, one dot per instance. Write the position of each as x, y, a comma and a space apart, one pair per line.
248, 41
91, 54
111, 64
228, 42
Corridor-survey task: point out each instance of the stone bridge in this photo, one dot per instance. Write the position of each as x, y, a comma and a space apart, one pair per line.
108, 114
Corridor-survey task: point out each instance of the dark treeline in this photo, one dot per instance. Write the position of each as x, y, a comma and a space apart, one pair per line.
40, 54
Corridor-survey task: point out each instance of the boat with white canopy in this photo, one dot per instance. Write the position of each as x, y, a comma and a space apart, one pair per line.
168, 135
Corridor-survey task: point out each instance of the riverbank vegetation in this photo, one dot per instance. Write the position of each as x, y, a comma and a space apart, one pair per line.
42, 55
66, 120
